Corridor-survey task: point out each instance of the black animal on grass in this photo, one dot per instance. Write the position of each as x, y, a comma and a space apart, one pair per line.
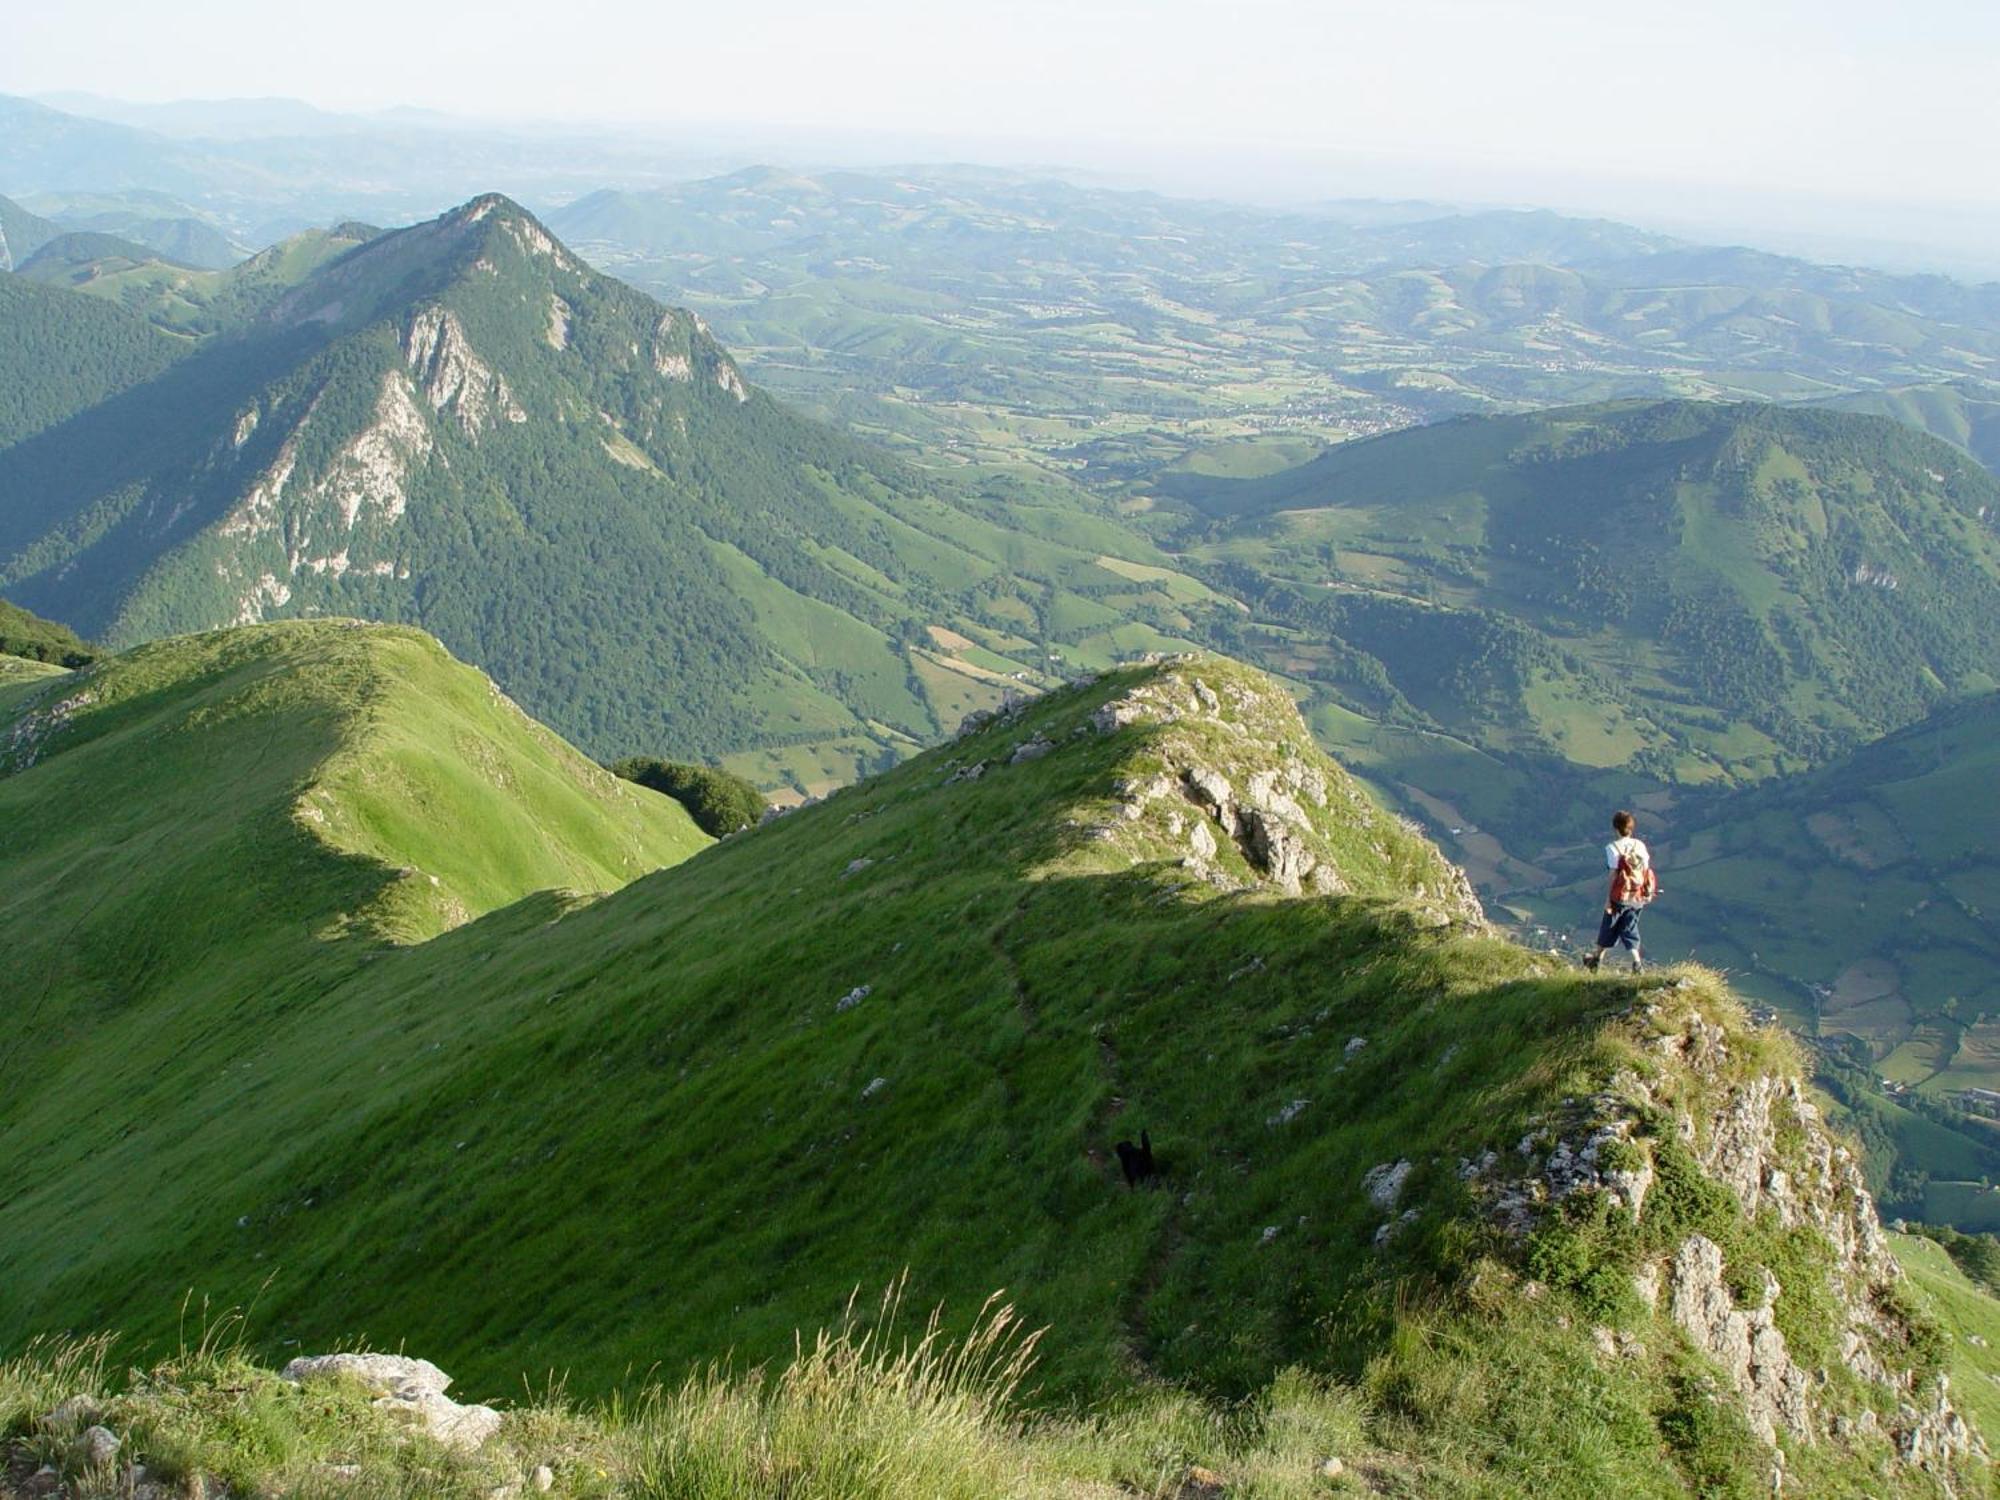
1137, 1160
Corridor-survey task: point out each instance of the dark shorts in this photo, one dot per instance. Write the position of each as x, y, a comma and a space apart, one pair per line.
1620, 927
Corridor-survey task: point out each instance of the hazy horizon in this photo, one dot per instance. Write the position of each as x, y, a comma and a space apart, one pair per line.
1829, 129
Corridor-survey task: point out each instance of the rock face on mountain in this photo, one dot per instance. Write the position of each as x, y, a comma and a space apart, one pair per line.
1237, 768
1690, 1117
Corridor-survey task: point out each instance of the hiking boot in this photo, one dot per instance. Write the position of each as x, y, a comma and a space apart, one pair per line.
1590, 963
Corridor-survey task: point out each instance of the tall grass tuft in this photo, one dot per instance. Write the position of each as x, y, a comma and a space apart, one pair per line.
856, 1413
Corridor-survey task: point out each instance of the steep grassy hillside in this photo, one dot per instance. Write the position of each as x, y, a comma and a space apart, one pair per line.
1527, 1213
461, 425
200, 831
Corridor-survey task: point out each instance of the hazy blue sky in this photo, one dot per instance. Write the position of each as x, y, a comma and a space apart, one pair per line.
1835, 97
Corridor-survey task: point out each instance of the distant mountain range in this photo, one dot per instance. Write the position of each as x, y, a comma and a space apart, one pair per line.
461, 424
1017, 320
1013, 319
1964, 412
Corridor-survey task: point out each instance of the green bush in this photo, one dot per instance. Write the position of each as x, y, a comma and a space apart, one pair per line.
23, 634
718, 802
1928, 1349
1710, 1441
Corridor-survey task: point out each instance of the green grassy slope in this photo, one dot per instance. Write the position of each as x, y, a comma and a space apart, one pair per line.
23, 634
1972, 1316
902, 1029
196, 827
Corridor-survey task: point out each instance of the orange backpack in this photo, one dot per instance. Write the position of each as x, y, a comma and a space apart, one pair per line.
1633, 883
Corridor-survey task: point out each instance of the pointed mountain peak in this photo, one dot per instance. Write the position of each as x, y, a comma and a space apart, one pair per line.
496, 206
405, 265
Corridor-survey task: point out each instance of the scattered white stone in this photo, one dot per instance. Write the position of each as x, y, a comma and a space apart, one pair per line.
1289, 1112
1384, 1183
856, 866
1270, 1233
1114, 716
543, 1479
1355, 1044
74, 1413
1033, 749
853, 997
100, 1446
1393, 1227
875, 1085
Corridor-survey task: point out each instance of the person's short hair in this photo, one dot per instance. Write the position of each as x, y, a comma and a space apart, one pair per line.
1621, 822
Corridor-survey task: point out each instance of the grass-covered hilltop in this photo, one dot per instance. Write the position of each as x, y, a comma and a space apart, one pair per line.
296, 1029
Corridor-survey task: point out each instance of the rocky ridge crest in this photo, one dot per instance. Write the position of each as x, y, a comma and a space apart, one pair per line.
1222, 780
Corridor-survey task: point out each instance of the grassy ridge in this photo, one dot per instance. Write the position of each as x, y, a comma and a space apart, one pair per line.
894, 1033
870, 1410
330, 770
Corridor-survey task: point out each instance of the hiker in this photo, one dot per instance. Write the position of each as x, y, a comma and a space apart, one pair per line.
1633, 884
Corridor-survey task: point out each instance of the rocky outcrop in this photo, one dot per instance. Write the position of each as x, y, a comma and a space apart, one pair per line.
1744, 1341
27, 740
412, 1390
1239, 773
453, 375
1758, 1135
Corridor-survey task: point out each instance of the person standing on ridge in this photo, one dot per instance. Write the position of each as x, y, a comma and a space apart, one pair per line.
1633, 885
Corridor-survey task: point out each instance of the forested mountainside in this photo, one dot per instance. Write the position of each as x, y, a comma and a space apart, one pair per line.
462, 425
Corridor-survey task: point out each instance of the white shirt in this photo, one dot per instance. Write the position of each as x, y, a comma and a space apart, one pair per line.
1617, 849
